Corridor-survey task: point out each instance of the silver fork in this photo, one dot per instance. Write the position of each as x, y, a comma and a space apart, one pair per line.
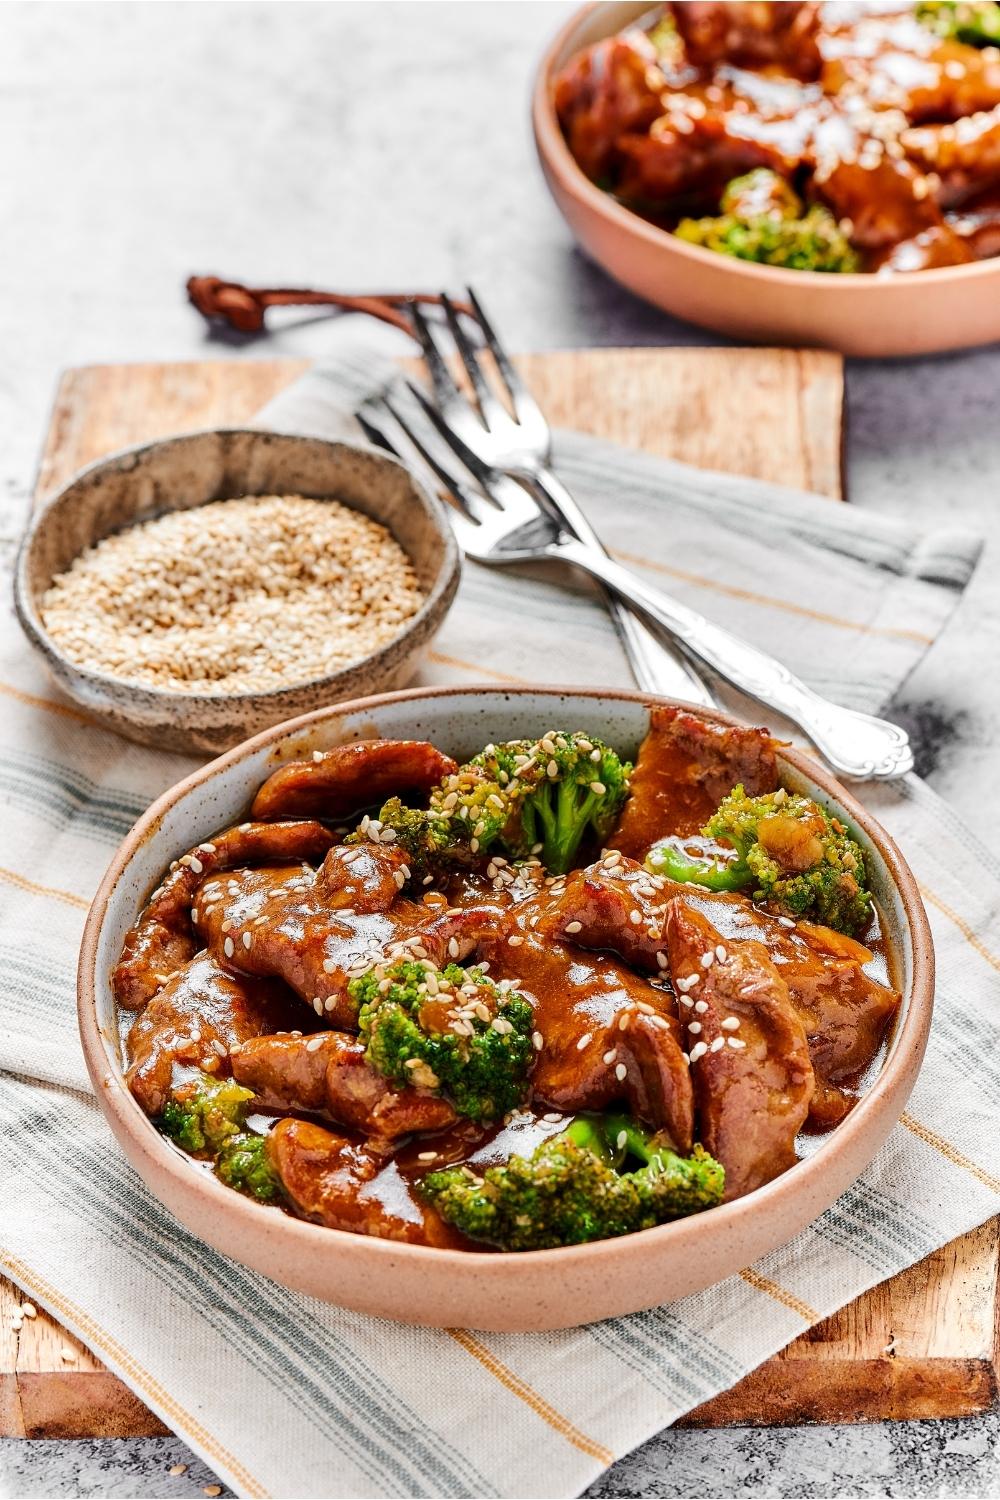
520, 445
507, 526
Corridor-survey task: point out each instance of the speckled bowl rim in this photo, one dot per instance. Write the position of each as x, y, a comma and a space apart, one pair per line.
905, 1055
436, 601
552, 147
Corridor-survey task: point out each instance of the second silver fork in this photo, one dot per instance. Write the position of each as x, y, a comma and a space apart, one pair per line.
520, 446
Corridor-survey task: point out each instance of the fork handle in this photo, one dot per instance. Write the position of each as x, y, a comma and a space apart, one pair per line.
655, 667
856, 744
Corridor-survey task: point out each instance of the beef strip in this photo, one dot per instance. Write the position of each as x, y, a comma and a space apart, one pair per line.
686, 765
344, 1185
609, 90
608, 1037
756, 33
886, 198
162, 940
753, 1078
335, 783
964, 155
318, 929
199, 1017
329, 1072
846, 1013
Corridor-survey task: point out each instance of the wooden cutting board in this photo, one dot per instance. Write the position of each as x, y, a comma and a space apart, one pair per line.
921, 1345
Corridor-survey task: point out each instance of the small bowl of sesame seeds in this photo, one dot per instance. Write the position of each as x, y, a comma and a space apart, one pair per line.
195, 590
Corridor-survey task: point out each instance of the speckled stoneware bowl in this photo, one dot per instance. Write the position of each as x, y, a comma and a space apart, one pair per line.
181, 472
921, 312
448, 1288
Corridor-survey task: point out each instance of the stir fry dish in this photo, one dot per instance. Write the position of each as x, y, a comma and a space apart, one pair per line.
816, 137
537, 999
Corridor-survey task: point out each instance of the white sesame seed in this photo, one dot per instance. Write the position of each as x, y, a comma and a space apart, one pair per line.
318, 1005
687, 983
314, 1043
736, 1044
427, 1156
574, 926
621, 1140
718, 1044
247, 939
329, 1004
537, 1040
698, 1050
645, 1007
229, 947
731, 1023
598, 788
701, 1006
515, 941
585, 1041
661, 960
609, 1057
694, 1027
720, 953
786, 922
635, 917
621, 1072
707, 960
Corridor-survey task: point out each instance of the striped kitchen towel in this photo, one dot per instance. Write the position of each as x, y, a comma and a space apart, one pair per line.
282, 1395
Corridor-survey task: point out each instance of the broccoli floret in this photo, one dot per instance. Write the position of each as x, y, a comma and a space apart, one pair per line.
535, 797
203, 1115
698, 861
423, 838
975, 22
809, 241
451, 1031
798, 858
577, 1186
666, 41
243, 1164
761, 192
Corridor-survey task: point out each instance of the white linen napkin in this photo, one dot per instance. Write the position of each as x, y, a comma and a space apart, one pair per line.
284, 1395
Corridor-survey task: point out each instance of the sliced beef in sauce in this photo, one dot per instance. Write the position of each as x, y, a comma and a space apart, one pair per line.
200, 1014
608, 1037
686, 765
329, 1072
845, 1011
336, 1181
335, 783
753, 1079
163, 939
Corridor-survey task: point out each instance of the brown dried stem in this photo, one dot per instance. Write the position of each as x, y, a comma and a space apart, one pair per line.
243, 307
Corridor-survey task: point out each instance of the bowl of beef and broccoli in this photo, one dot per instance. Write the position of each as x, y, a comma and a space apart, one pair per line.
804, 172
509, 1009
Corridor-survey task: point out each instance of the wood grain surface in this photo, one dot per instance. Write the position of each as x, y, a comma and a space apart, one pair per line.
923, 1344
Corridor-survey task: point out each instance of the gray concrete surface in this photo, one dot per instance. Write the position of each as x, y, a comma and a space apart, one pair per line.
378, 145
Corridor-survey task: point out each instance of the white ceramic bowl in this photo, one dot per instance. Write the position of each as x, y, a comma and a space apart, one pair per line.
542, 1288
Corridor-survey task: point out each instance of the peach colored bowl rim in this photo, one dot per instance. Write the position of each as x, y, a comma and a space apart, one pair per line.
907, 1051
419, 626
557, 155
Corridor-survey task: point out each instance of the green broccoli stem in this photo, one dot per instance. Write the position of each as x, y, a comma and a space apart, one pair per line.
673, 858
561, 820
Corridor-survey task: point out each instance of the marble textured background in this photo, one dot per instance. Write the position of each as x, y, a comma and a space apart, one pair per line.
371, 145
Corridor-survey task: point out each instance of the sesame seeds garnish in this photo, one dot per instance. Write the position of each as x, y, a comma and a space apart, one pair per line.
318, 1005
310, 587
621, 1072
786, 922
698, 1050
621, 1140
718, 1044
635, 917
694, 1027
707, 960
610, 1056
574, 927
720, 953
645, 1007
585, 1041
537, 1040
229, 947
700, 1007
247, 939
661, 963
736, 1043
515, 940
315, 1042
687, 983
426, 1156
730, 1023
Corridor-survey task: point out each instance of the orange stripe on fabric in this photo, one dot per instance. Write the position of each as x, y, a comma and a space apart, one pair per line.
772, 603
103, 1343
938, 1142
473, 667
530, 1397
23, 884
48, 704
963, 927
787, 1299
